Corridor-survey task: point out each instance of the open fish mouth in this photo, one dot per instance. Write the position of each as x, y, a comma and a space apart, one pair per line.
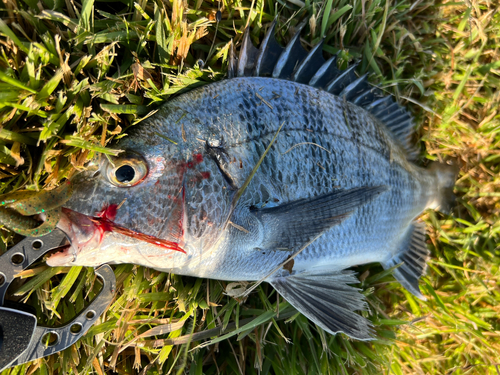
86, 234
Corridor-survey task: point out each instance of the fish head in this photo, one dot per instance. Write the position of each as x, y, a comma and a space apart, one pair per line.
148, 198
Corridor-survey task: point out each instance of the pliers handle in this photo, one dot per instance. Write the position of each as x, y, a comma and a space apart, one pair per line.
21, 339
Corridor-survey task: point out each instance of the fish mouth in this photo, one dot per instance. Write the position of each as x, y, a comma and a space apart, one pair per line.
81, 232
86, 233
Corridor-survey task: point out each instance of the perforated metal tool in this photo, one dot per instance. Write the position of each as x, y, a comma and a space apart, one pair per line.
21, 339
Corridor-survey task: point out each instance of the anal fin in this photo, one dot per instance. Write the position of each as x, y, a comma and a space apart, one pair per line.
328, 300
413, 256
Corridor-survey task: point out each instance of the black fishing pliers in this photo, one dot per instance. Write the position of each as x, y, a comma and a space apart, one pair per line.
21, 339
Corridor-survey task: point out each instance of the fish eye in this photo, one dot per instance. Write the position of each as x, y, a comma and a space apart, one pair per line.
126, 170
125, 174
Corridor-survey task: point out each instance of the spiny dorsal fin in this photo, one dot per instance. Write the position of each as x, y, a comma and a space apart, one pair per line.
294, 53
248, 55
295, 64
310, 65
232, 63
325, 73
269, 53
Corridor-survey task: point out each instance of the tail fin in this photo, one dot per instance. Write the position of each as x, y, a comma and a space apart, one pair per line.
446, 175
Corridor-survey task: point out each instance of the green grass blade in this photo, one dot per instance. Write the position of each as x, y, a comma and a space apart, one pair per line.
14, 82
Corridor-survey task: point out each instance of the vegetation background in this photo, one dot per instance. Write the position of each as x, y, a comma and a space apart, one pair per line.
76, 74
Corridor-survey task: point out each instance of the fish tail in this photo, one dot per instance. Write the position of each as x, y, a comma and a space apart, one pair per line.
444, 181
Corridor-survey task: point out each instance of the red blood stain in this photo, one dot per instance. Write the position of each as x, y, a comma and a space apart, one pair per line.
181, 169
103, 226
190, 164
108, 212
198, 158
104, 223
104, 219
175, 227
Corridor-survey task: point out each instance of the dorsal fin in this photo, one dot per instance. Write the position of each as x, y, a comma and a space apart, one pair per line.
269, 53
248, 55
310, 65
293, 54
294, 63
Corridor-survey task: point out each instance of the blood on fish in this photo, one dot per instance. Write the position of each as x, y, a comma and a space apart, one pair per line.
181, 169
104, 223
149, 239
183, 165
205, 175
103, 226
198, 158
108, 212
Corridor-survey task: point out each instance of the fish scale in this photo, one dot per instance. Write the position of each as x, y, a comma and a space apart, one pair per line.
336, 189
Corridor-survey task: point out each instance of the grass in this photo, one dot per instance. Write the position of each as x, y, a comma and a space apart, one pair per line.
74, 75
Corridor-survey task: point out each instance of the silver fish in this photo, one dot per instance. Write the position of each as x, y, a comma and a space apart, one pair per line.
336, 189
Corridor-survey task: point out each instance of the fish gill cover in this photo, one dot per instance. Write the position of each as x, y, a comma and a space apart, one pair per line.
75, 76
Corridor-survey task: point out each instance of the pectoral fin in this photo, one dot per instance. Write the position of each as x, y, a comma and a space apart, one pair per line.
328, 301
293, 225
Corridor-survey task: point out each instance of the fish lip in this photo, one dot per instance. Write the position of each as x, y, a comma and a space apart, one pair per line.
80, 231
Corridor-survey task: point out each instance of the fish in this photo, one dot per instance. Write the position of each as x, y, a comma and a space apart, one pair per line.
290, 171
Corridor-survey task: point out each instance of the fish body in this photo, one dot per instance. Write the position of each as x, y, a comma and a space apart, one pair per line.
336, 189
